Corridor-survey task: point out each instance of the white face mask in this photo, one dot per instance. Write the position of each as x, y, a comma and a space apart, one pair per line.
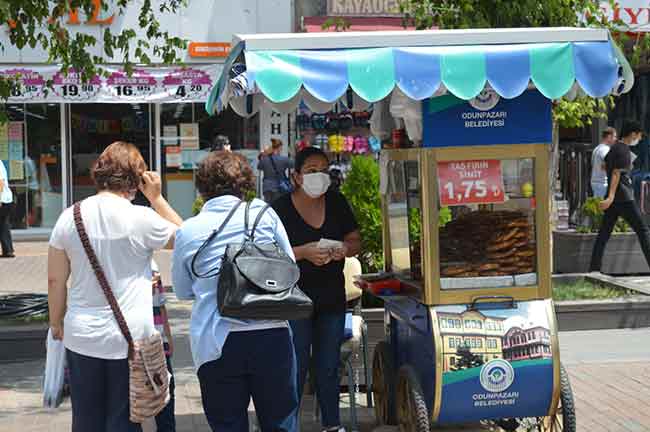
315, 184
635, 142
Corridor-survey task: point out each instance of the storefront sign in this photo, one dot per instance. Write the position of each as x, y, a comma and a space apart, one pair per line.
487, 119
470, 182
634, 14
497, 363
209, 49
145, 85
363, 7
173, 157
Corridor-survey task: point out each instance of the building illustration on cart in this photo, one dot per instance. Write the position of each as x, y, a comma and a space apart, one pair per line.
471, 338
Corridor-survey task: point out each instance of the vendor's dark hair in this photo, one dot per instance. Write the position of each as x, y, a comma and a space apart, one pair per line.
224, 173
305, 154
630, 127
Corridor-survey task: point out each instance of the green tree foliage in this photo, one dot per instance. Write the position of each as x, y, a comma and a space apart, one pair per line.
361, 189
42, 24
462, 14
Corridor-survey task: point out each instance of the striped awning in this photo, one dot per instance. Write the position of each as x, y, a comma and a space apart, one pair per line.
555, 69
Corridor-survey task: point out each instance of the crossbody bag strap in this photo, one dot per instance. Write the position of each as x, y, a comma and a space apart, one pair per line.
275, 168
258, 219
215, 233
101, 278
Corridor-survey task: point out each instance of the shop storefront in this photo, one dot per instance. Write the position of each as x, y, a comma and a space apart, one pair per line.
55, 133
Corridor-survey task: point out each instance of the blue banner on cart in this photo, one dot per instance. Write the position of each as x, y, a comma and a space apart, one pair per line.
487, 119
498, 363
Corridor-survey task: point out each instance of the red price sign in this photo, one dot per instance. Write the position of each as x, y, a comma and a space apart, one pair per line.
470, 182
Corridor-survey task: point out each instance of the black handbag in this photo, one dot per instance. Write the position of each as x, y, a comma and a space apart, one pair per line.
284, 183
256, 281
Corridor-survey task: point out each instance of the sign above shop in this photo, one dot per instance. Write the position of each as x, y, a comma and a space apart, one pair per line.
634, 14
163, 84
470, 182
487, 119
209, 49
363, 7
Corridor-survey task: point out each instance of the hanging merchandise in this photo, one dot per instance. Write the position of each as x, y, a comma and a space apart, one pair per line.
336, 143
349, 144
319, 121
346, 121
398, 138
381, 122
321, 141
302, 144
361, 144
374, 144
361, 119
333, 122
409, 111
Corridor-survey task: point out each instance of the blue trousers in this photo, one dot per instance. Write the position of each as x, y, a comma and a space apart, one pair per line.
166, 420
99, 391
320, 337
260, 364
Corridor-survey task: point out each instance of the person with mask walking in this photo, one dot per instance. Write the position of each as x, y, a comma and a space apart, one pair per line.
620, 198
311, 213
598, 172
6, 203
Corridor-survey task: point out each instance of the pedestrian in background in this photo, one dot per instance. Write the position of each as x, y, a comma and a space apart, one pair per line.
311, 213
598, 169
620, 199
165, 420
236, 359
274, 166
124, 238
6, 204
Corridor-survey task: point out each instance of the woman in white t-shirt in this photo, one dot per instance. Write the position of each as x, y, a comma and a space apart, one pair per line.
124, 237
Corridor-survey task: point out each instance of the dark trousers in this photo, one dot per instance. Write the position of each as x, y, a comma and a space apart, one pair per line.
166, 420
629, 211
260, 364
99, 390
5, 229
320, 338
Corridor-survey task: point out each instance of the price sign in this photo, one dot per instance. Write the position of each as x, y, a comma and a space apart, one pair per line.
188, 83
139, 85
72, 87
470, 182
28, 84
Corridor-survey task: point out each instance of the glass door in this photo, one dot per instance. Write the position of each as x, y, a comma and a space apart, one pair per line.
93, 127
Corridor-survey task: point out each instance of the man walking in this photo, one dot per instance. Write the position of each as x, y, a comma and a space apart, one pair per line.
6, 202
620, 197
598, 173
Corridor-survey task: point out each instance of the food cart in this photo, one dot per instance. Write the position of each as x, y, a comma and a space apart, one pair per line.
471, 334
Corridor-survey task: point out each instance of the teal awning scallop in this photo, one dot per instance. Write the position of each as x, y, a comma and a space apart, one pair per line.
421, 71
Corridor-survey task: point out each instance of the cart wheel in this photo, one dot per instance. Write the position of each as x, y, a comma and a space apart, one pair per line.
383, 384
412, 412
564, 419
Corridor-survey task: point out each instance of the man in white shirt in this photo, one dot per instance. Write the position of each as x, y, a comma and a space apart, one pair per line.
6, 202
598, 173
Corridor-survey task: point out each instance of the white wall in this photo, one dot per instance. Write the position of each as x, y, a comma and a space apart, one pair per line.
201, 21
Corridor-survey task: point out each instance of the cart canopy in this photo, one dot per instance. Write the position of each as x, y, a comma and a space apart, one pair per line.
319, 69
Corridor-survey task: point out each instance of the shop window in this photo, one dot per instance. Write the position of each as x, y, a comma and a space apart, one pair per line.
489, 239
188, 133
452, 361
452, 343
30, 148
404, 218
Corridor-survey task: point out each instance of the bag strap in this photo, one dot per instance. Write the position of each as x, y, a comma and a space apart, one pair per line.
101, 278
251, 236
275, 168
215, 233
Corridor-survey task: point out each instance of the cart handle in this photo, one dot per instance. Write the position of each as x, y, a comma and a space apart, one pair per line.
492, 299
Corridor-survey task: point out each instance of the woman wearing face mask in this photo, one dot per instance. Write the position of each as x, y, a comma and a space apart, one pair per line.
124, 237
311, 213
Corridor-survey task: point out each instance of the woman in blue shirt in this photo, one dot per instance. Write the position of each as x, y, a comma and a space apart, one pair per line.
236, 359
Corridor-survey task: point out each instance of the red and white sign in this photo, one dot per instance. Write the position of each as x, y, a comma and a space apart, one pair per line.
634, 14
470, 182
